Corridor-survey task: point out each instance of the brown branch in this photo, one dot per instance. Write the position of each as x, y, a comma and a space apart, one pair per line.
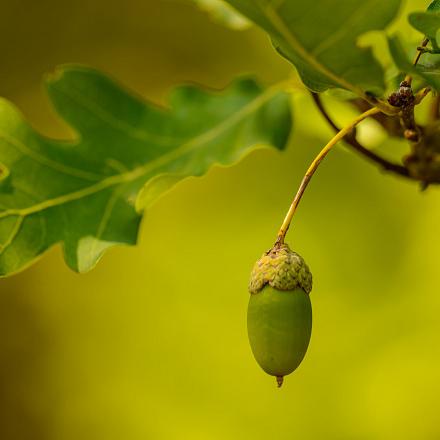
354, 143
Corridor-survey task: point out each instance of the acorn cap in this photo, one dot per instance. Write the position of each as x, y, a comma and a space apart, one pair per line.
282, 269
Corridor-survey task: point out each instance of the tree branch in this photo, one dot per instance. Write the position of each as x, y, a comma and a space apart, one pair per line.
351, 140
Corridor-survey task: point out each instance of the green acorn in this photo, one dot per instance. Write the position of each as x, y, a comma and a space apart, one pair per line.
279, 312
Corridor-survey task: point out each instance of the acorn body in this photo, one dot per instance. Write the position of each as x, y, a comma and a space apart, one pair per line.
279, 328
279, 316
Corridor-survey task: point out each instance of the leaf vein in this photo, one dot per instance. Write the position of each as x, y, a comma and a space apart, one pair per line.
13, 234
106, 214
59, 167
143, 170
279, 24
118, 124
350, 23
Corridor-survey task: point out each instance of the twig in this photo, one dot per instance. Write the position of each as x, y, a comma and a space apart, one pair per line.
420, 52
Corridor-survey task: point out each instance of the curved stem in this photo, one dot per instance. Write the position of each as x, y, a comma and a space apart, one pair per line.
312, 168
357, 146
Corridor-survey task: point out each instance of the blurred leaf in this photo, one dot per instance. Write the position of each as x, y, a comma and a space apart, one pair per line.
434, 6
224, 13
83, 193
319, 37
430, 74
428, 23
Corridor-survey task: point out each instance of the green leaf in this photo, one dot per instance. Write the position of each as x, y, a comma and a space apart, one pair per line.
83, 193
428, 23
223, 13
430, 74
319, 37
434, 6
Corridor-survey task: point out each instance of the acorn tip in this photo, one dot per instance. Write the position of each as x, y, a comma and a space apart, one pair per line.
280, 380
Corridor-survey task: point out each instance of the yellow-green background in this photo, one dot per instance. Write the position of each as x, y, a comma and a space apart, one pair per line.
152, 344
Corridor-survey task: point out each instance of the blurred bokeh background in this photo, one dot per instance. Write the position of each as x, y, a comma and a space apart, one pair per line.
152, 343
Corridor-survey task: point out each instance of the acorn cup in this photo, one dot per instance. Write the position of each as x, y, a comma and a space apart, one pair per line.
279, 318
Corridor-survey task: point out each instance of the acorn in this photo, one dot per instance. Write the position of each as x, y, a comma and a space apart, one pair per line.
279, 318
